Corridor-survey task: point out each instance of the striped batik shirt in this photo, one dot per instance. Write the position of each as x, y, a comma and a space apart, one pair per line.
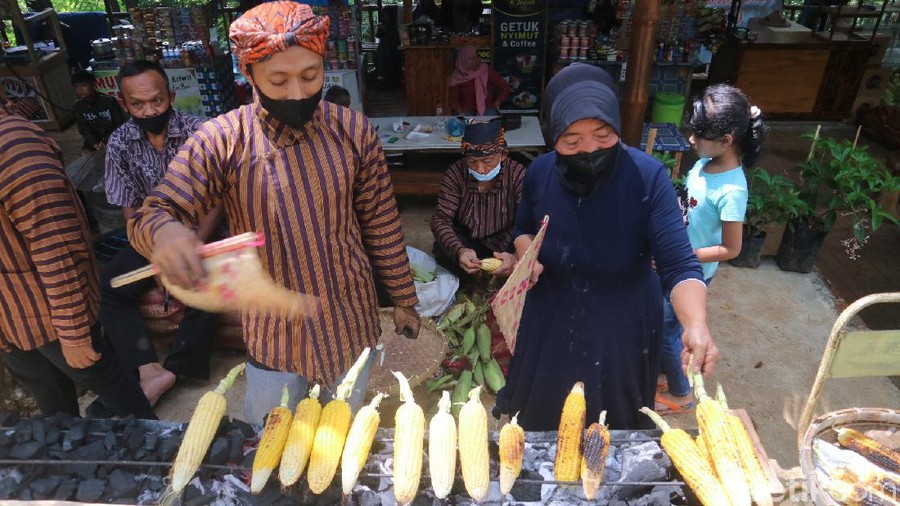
48, 280
475, 211
322, 196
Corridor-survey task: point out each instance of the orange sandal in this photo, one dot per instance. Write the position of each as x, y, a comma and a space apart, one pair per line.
666, 407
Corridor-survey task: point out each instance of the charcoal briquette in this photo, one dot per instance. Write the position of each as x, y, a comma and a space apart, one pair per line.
246, 429
8, 419
109, 441
219, 452
201, 500
39, 432
26, 495
167, 448
83, 471
527, 492
46, 486
25, 451
134, 438
75, 436
91, 451
191, 491
23, 432
90, 490
121, 484
53, 434
236, 447
66, 489
150, 440
8, 488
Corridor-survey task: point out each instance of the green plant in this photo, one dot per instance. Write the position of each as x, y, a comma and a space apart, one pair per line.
666, 158
771, 199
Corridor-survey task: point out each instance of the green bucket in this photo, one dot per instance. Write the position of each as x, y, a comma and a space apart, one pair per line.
668, 107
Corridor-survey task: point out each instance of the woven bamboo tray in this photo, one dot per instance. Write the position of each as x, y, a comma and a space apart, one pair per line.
418, 359
823, 427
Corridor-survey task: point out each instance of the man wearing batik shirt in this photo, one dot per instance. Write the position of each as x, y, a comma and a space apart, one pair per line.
136, 159
49, 337
311, 177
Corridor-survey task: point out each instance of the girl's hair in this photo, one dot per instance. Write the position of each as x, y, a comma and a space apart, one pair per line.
723, 110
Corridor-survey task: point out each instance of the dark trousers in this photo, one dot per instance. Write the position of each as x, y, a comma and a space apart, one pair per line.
128, 333
51, 381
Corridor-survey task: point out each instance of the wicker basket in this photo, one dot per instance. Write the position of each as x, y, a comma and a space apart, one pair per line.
861, 419
418, 359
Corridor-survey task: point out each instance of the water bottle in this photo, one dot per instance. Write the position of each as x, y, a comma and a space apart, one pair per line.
439, 112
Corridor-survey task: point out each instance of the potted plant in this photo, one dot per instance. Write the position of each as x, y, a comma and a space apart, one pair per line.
772, 199
839, 178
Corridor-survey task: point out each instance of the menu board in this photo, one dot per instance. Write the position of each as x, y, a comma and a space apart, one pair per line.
519, 52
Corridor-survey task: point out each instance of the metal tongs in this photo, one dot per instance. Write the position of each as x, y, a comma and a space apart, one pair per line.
238, 242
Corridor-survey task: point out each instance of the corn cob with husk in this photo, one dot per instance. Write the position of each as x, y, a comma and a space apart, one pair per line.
409, 440
473, 446
442, 448
199, 435
512, 452
713, 422
359, 442
271, 443
300, 438
872, 450
686, 457
332, 431
753, 471
704, 450
567, 466
596, 447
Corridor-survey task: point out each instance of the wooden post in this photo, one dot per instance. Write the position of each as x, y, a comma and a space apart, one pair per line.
407, 12
640, 66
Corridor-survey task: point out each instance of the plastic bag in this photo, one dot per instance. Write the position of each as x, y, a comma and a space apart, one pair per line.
434, 297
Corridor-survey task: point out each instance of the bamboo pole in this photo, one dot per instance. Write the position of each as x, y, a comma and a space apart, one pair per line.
651, 138
812, 146
640, 66
858, 130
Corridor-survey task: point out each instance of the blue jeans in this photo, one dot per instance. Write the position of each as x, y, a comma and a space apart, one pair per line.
671, 350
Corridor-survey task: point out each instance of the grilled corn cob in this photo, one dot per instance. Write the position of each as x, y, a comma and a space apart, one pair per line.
831, 457
704, 451
473, 446
596, 447
568, 444
199, 434
442, 448
686, 457
271, 443
872, 450
300, 438
491, 264
332, 432
409, 434
753, 471
713, 422
845, 486
359, 442
512, 451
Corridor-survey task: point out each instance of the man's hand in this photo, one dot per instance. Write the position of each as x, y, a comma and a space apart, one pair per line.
80, 356
468, 260
406, 321
698, 342
506, 268
536, 271
176, 255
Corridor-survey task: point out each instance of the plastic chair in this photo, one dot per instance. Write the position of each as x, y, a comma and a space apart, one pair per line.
854, 354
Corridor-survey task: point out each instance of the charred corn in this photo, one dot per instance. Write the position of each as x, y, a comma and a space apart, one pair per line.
300, 438
199, 434
596, 447
568, 444
491, 264
872, 450
271, 444
512, 451
713, 422
473, 446
686, 457
409, 440
332, 432
442, 448
359, 442
753, 471
845, 486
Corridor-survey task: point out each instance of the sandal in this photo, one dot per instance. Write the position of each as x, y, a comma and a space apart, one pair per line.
666, 407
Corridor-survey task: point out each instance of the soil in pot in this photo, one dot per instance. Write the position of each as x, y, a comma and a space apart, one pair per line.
799, 248
751, 250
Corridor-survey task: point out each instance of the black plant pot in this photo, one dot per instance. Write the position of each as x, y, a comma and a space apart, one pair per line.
751, 250
799, 247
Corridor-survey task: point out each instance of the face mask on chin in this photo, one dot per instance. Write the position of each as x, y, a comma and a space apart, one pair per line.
155, 124
581, 173
292, 112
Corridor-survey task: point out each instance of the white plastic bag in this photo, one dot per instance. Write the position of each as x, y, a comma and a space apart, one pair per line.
434, 297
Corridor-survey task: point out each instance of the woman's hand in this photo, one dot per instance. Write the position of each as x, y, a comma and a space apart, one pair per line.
506, 268
536, 271
468, 260
698, 342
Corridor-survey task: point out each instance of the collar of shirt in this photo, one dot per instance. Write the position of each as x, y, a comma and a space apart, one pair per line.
174, 130
282, 135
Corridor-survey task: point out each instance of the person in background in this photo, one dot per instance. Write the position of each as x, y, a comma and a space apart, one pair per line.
461, 16
476, 89
136, 159
98, 115
338, 95
388, 56
594, 313
727, 136
49, 337
427, 9
477, 203
311, 177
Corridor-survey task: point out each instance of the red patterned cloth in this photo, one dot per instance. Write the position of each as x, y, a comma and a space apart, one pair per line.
275, 26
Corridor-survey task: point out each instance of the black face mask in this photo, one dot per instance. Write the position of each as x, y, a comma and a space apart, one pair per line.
154, 124
581, 173
292, 112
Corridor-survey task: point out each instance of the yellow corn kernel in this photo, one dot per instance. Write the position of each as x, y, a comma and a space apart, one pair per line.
704, 451
442, 448
512, 451
491, 264
359, 442
694, 469
300, 438
409, 441
568, 444
596, 447
271, 444
473, 446
753, 471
